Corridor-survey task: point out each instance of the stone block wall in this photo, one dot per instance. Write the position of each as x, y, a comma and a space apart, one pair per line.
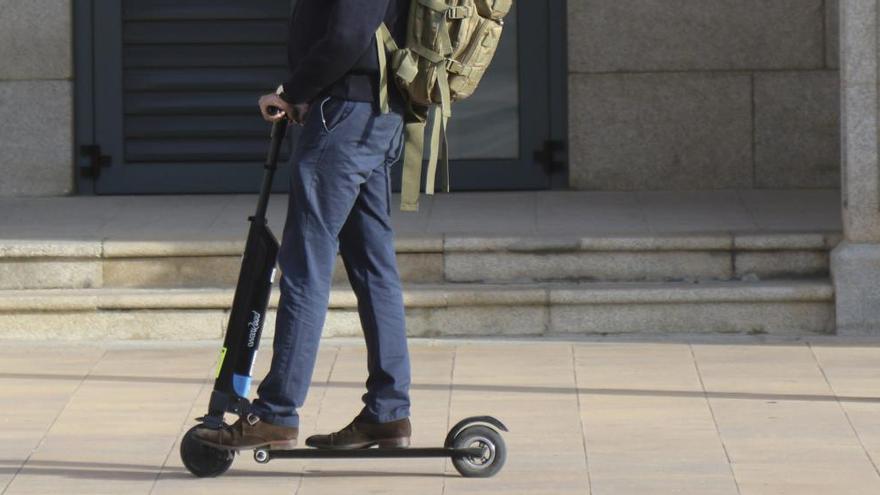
703, 94
36, 97
664, 94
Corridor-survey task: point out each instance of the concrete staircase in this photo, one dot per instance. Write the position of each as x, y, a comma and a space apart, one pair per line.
761, 283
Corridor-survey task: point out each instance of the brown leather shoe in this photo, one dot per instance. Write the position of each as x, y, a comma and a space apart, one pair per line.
362, 434
249, 432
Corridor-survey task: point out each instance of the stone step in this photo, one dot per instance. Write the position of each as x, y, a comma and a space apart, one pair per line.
434, 259
773, 307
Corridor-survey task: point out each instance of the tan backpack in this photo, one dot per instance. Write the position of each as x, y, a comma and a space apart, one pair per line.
449, 46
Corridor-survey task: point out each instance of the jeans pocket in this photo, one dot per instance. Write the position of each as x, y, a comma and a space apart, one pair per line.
333, 112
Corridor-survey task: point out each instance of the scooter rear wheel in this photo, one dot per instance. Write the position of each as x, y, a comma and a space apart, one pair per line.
494, 452
203, 460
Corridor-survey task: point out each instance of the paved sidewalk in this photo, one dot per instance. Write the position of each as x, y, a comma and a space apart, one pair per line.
718, 416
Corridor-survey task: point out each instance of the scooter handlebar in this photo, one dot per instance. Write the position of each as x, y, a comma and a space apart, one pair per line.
279, 129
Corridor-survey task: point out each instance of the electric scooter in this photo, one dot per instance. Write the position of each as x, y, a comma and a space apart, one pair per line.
475, 444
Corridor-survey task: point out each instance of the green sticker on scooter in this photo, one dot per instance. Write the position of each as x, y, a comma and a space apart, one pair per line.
220, 363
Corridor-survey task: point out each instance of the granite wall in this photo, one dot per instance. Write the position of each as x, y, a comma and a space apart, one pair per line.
703, 94
36, 97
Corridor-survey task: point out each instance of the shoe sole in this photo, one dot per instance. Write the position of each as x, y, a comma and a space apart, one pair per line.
390, 443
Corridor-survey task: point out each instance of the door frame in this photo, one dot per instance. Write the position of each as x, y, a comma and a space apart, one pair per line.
93, 79
84, 94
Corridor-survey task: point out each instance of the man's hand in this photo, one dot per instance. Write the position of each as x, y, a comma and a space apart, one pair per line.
300, 111
296, 113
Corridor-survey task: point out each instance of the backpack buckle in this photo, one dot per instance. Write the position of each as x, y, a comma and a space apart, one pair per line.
456, 67
459, 12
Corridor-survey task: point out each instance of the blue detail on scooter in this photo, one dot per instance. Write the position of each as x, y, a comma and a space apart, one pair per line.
241, 384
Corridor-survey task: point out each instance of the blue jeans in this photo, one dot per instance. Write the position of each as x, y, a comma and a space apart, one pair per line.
340, 199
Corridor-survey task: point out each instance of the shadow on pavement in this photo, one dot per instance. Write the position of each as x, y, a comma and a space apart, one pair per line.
138, 472
522, 389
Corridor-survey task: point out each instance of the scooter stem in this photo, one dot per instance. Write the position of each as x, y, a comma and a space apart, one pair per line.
279, 129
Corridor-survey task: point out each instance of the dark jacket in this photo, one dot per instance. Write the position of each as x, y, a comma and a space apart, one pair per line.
332, 47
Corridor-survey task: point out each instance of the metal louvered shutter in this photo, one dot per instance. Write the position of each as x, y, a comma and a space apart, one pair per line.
188, 74
167, 92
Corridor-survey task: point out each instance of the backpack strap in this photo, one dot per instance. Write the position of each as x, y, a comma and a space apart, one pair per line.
403, 63
441, 58
383, 79
405, 66
439, 145
443, 159
414, 152
414, 149
439, 153
385, 44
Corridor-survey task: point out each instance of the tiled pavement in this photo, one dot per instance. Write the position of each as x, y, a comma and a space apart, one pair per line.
710, 416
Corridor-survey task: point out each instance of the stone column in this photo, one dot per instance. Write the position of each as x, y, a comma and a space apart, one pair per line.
855, 263
36, 98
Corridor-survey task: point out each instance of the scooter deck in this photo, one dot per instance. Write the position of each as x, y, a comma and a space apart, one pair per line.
441, 452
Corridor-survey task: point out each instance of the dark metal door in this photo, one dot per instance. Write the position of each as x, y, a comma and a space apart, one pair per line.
497, 138
167, 91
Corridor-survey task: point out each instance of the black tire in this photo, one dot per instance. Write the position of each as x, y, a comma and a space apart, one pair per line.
495, 452
203, 460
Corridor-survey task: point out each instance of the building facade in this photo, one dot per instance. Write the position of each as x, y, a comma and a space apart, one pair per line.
148, 96
691, 94
644, 95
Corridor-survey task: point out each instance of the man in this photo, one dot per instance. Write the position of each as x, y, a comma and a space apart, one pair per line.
340, 195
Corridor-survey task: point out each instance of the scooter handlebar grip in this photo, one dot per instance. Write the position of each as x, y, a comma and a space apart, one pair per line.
279, 129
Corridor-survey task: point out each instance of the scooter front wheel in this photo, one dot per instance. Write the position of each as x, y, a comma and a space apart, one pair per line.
203, 460
494, 452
